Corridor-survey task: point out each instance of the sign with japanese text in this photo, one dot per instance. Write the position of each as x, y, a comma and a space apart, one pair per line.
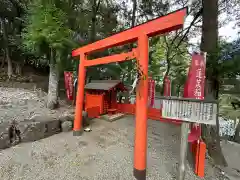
68, 79
194, 87
189, 110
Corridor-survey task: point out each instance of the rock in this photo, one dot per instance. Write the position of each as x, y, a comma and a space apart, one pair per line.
66, 126
86, 120
4, 141
66, 117
84, 114
5, 136
39, 127
52, 105
70, 117
237, 134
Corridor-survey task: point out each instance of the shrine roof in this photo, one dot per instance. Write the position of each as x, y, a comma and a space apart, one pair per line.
104, 85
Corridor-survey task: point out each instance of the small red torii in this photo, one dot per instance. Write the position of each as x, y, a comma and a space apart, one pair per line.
139, 34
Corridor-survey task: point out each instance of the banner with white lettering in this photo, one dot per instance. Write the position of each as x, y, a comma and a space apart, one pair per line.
68, 79
194, 87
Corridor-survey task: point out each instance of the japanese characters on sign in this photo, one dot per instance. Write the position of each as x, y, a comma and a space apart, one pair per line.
194, 87
190, 111
197, 90
68, 78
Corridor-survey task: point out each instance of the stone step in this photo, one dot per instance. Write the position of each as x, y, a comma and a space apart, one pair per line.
112, 117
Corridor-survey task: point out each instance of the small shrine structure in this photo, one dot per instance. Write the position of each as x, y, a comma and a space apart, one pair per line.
101, 96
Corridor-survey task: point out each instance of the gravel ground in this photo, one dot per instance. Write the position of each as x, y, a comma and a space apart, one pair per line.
231, 151
21, 104
105, 153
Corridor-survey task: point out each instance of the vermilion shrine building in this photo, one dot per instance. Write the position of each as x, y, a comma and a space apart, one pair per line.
101, 95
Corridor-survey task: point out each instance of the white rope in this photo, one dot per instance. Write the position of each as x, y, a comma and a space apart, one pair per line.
134, 85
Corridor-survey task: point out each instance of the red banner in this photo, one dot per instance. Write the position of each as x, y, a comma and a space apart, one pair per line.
151, 92
167, 87
68, 78
194, 87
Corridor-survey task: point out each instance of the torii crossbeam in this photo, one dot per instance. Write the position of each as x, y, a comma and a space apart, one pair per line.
139, 34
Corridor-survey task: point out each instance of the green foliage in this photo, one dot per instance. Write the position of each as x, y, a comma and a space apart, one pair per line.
66, 24
164, 54
46, 27
229, 60
226, 108
157, 59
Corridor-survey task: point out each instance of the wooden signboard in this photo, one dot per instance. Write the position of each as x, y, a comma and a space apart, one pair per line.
190, 110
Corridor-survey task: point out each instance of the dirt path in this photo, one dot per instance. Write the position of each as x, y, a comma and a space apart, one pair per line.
105, 153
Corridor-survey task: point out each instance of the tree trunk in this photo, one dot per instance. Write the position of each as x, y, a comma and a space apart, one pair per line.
4, 58
18, 68
168, 64
237, 133
131, 64
5, 38
134, 13
209, 44
95, 8
3, 61
52, 102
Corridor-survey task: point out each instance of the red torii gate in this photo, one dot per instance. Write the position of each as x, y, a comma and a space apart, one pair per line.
139, 34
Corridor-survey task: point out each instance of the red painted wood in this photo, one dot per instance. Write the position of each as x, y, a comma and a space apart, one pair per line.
110, 59
77, 125
200, 158
141, 33
93, 100
161, 25
153, 113
93, 112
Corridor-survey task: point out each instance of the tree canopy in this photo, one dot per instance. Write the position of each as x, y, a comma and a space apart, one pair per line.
34, 28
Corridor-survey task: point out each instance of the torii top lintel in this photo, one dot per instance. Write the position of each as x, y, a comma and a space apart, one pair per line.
160, 25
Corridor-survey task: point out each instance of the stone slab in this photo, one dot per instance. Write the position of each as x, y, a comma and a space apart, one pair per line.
38, 127
113, 117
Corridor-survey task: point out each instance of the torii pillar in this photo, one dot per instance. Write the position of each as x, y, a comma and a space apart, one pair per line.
139, 34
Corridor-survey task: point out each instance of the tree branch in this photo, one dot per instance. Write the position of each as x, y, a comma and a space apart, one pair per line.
192, 23
98, 5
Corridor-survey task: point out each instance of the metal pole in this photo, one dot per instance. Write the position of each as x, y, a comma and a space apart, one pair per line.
183, 150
